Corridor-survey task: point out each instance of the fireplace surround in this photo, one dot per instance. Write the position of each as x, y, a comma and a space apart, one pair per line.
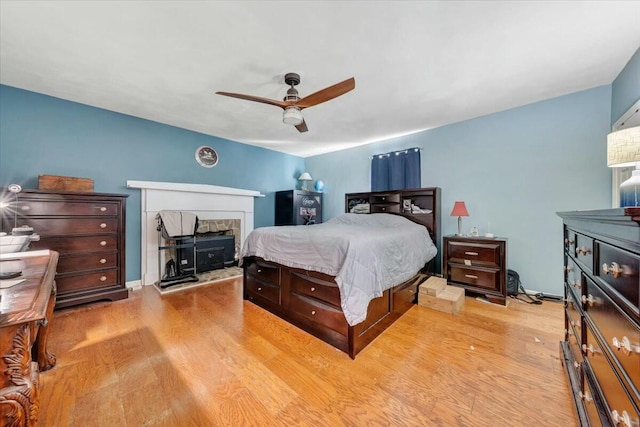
208, 202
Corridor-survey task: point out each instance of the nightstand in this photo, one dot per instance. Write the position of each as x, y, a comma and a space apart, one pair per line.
478, 264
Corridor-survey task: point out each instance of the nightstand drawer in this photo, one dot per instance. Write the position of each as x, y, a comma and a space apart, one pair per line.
487, 279
474, 254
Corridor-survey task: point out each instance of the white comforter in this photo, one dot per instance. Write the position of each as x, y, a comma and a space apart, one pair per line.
367, 254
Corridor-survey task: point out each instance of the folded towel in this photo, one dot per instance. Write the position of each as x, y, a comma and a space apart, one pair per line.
178, 223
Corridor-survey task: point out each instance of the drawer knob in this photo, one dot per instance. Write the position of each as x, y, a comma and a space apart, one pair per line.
623, 418
384, 209
103, 261
614, 269
588, 299
568, 269
103, 209
384, 198
471, 253
259, 270
575, 324
259, 289
625, 345
103, 225
103, 278
313, 312
586, 396
313, 289
471, 276
586, 349
576, 365
583, 250
103, 243
25, 207
568, 242
577, 285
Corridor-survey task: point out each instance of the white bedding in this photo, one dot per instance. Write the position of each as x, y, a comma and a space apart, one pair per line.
367, 254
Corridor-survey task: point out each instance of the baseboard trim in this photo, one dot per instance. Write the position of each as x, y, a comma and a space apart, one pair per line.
134, 285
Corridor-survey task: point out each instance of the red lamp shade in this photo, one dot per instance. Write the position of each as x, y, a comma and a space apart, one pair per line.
459, 209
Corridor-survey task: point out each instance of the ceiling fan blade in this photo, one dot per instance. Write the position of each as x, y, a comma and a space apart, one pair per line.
302, 127
281, 104
327, 94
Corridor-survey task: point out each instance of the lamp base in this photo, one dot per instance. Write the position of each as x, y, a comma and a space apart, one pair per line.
630, 191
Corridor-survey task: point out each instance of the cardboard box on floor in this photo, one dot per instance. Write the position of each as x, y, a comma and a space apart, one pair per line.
437, 295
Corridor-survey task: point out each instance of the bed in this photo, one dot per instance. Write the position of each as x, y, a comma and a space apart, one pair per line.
347, 280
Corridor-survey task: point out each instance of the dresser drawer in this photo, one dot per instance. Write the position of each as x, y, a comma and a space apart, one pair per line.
380, 208
405, 296
264, 272
256, 288
584, 251
487, 279
474, 254
596, 417
574, 322
315, 288
86, 262
621, 334
573, 279
70, 245
59, 208
614, 393
385, 198
570, 242
72, 226
86, 281
618, 270
323, 314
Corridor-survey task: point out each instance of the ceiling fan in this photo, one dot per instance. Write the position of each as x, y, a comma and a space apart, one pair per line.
293, 105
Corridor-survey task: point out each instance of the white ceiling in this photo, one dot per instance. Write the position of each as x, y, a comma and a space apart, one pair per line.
417, 65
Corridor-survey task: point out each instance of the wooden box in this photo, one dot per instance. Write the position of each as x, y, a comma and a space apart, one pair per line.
449, 300
64, 183
433, 285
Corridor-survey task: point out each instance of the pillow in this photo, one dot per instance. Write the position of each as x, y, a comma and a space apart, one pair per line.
377, 219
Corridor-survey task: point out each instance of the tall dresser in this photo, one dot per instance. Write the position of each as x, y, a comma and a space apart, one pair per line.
601, 348
298, 207
88, 231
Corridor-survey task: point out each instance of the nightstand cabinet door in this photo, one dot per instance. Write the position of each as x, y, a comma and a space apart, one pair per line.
477, 264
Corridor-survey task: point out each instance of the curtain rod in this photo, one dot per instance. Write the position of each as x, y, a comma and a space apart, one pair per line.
395, 152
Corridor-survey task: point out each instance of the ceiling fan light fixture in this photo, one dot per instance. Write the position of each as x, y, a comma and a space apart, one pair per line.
292, 116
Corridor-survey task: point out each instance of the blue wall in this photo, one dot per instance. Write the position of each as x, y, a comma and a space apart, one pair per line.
45, 135
625, 88
514, 170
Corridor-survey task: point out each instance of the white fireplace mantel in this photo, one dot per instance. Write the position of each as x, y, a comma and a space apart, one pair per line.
205, 201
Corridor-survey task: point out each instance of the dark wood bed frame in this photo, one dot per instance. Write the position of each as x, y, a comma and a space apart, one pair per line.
311, 300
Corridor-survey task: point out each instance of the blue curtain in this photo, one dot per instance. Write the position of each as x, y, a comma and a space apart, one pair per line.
397, 170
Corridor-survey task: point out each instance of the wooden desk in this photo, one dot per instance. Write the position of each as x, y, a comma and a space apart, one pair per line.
25, 311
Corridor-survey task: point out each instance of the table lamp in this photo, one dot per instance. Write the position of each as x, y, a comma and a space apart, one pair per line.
305, 177
623, 150
459, 210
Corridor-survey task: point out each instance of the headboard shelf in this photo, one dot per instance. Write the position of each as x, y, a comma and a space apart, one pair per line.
420, 205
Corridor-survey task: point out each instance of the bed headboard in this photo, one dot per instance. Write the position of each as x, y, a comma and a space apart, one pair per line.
420, 205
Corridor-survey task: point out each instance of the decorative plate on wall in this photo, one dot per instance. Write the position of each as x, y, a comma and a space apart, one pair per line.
206, 156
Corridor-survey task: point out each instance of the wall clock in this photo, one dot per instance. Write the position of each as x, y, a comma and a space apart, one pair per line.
206, 156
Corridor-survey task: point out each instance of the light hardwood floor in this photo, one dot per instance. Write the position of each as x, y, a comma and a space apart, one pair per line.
205, 357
